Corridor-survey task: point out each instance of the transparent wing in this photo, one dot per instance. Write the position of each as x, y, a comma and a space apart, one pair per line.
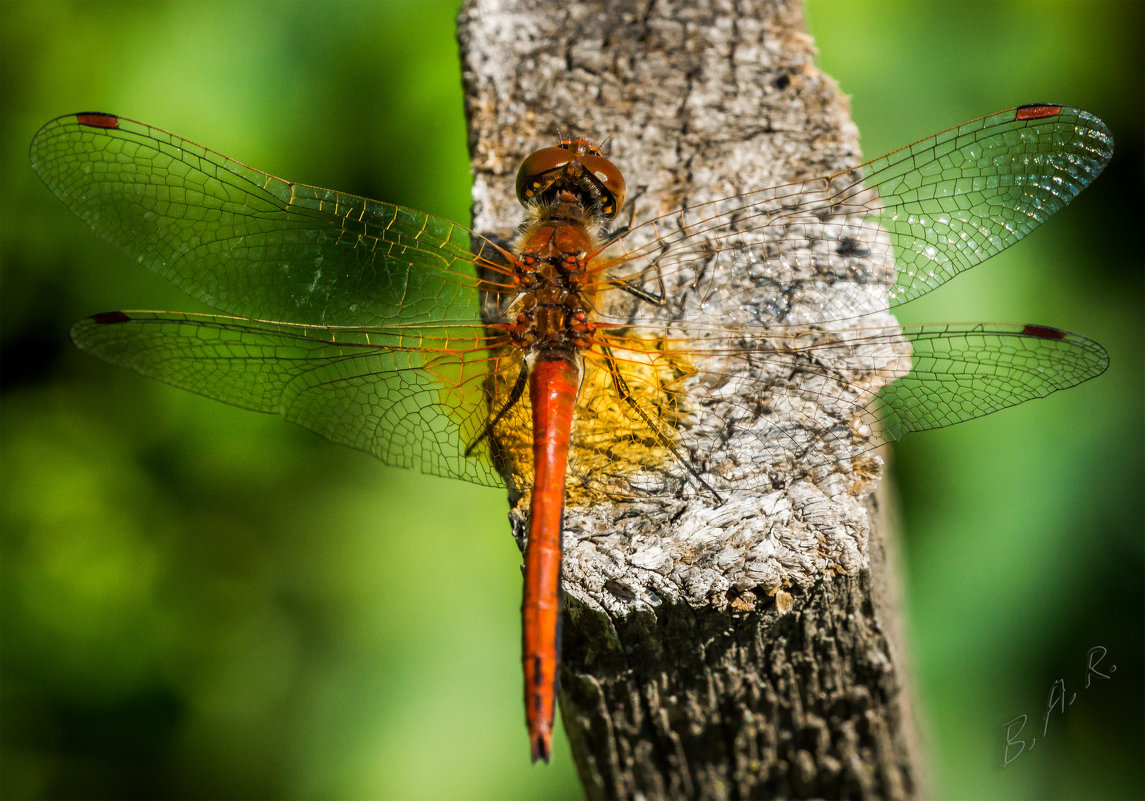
252, 245
413, 398
814, 398
947, 202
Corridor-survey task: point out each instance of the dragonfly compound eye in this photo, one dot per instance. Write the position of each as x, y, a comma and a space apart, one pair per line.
608, 179
540, 170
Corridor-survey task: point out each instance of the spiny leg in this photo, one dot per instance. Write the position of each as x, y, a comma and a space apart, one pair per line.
514, 396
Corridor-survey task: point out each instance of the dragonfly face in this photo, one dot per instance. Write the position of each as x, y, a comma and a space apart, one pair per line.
362, 320
594, 181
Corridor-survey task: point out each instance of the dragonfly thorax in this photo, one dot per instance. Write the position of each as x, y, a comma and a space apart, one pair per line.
552, 311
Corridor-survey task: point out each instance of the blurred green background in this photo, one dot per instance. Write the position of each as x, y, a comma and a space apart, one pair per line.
203, 602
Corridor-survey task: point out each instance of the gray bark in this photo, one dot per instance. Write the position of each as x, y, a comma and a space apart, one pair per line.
743, 650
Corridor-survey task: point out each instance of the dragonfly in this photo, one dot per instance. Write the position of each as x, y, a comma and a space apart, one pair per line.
580, 360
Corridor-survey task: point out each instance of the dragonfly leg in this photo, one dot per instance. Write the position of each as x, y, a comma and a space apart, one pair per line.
638, 292
514, 396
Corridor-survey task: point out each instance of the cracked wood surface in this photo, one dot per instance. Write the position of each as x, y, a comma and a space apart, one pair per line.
750, 649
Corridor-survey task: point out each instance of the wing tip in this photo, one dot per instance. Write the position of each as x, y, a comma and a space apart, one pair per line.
1097, 356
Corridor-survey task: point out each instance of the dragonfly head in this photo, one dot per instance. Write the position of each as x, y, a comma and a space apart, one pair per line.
573, 168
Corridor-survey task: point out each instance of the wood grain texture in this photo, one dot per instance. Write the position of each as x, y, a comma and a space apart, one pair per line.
742, 650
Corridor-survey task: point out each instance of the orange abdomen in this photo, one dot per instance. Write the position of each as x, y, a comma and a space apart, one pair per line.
553, 388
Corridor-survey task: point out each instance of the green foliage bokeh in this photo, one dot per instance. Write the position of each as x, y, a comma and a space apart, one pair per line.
202, 602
